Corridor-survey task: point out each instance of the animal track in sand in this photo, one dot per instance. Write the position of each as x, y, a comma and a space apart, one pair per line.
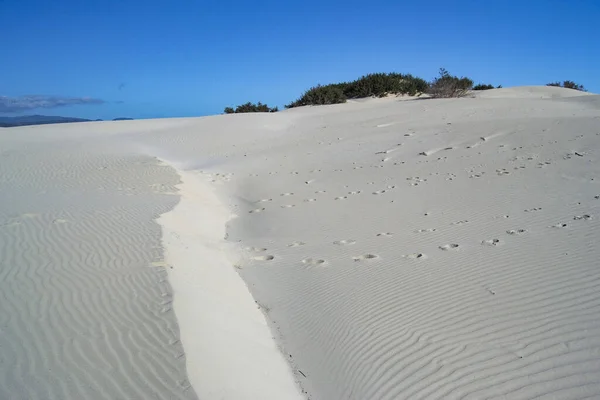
264, 200
296, 244
341, 198
313, 261
355, 192
263, 258
378, 192
257, 210
288, 206
425, 230
451, 246
344, 242
320, 191
386, 234
365, 257
491, 242
460, 222
502, 171
516, 231
309, 200
309, 182
287, 194
584, 217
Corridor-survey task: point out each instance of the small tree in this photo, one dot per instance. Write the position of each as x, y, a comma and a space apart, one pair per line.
228, 110
446, 85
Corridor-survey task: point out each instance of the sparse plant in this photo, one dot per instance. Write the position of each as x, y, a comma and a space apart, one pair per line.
446, 85
229, 110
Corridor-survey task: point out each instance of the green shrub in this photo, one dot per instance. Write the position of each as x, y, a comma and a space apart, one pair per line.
446, 85
378, 84
482, 86
568, 85
250, 107
319, 95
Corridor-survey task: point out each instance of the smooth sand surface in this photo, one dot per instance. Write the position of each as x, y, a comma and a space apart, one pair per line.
396, 249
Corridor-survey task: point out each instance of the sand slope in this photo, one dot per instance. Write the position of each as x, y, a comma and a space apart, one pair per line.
413, 249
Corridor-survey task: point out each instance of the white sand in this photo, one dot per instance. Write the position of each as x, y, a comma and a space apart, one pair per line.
408, 249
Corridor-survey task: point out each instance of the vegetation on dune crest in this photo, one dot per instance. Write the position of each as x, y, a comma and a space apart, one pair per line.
446, 85
568, 85
383, 84
482, 86
250, 107
377, 84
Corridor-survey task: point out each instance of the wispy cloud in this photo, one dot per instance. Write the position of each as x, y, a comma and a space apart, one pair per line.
24, 103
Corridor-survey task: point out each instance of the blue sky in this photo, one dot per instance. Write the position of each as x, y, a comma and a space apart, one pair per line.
167, 58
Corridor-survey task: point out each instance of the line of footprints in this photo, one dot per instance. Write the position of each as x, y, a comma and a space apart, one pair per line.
414, 256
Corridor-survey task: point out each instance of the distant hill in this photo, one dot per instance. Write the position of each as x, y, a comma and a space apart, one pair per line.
24, 120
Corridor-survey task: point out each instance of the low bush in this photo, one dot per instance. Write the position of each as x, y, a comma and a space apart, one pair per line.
482, 86
320, 95
446, 85
250, 107
377, 84
568, 85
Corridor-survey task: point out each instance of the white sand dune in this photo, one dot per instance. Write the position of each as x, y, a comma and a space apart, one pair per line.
413, 249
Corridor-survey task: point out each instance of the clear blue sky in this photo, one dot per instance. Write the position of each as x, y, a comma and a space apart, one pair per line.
148, 58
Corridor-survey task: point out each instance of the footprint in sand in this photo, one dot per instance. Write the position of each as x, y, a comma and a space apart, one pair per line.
460, 222
355, 192
257, 210
263, 258
516, 231
415, 256
256, 249
386, 234
378, 192
533, 209
491, 242
320, 191
309, 200
288, 206
559, 225
287, 194
365, 257
313, 262
341, 198
296, 244
425, 230
502, 171
451, 246
344, 242
264, 200
582, 217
